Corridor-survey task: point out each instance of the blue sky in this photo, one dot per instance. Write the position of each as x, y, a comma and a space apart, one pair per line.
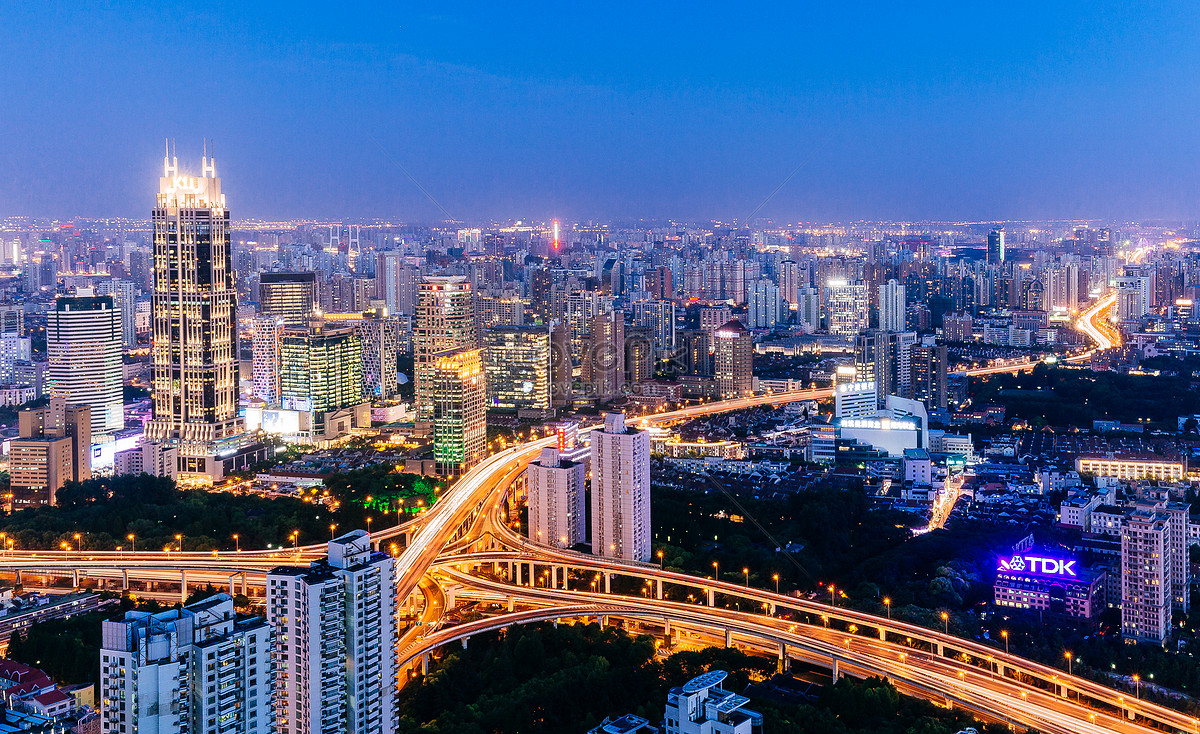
688, 110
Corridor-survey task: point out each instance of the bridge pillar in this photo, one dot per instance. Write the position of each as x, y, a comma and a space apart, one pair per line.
728, 638
464, 642
658, 589
712, 597
603, 621
837, 671
771, 609
124, 579
883, 634
425, 664
783, 662
555, 624
607, 583
18, 577
75, 577
510, 603
667, 627
182, 586
937, 646
232, 576
449, 598
244, 584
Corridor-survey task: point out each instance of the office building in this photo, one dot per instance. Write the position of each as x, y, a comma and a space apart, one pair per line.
733, 360
288, 296
54, 447
265, 356
604, 357
620, 491
459, 410
396, 282
379, 336
124, 295
846, 307
995, 247
14, 349
808, 308
83, 346
557, 510
335, 623
320, 368
930, 364
201, 668
891, 306
884, 357
1147, 575
701, 706
855, 400
445, 322
518, 367
1039, 580
194, 305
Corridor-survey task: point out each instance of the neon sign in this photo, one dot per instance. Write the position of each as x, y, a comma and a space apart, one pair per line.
1039, 565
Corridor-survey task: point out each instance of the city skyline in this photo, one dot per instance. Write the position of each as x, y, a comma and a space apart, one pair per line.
576, 114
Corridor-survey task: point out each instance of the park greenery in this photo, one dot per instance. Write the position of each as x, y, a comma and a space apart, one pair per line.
540, 678
1056, 396
104, 511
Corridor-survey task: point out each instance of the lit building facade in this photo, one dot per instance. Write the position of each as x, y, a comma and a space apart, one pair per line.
194, 385
445, 322
518, 366
320, 367
1041, 581
459, 410
846, 307
289, 296
733, 360
83, 344
1131, 468
266, 346
620, 491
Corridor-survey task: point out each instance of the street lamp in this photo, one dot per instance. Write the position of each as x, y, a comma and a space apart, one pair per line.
332, 527
832, 598
133, 541
661, 563
887, 603
946, 622
716, 571
237, 542
776, 578
1004, 634
747, 572
78, 543
1068, 654
179, 539
1137, 683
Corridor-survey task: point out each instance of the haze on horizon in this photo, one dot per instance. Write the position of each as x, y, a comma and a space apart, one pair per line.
907, 111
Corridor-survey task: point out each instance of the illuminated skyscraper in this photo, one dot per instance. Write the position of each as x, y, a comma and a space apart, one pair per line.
846, 306
995, 247
604, 357
733, 360
83, 345
290, 296
194, 346
459, 410
445, 322
320, 368
265, 356
518, 366
891, 306
620, 491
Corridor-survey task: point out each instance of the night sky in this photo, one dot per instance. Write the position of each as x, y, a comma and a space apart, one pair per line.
902, 110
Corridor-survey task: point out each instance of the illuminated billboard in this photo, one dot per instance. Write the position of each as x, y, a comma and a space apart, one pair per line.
1040, 566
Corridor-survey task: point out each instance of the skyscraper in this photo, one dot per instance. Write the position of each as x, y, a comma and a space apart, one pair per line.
289, 296
604, 357
557, 514
659, 317
194, 343
733, 360
83, 344
380, 337
891, 306
762, 305
201, 668
459, 393
518, 366
620, 491
846, 306
995, 246
124, 297
445, 322
320, 368
336, 628
265, 362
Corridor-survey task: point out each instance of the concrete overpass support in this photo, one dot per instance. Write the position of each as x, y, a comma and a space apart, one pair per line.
883, 634
124, 579
667, 627
182, 586
244, 584
607, 583
712, 597
659, 589
728, 638
18, 577
783, 660
75, 578
510, 603
425, 664
464, 642
837, 670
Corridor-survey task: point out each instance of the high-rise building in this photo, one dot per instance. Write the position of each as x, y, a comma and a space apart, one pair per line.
194, 340
202, 668
808, 308
714, 317
659, 317
885, 358
639, 355
518, 366
83, 345
1147, 575
855, 400
289, 296
557, 511
459, 392
604, 357
733, 360
762, 304
265, 355
124, 295
396, 282
621, 491
320, 368
335, 623
55, 447
380, 338
995, 246
846, 306
445, 322
14, 348
891, 306
930, 364
539, 294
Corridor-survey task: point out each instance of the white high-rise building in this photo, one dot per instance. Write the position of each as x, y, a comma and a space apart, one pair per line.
124, 297
846, 306
659, 317
808, 308
265, 358
445, 322
1155, 573
336, 626
855, 400
621, 491
13, 348
891, 306
83, 345
195, 669
762, 306
557, 514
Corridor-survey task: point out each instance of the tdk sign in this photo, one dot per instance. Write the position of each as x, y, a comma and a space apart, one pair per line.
1040, 566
